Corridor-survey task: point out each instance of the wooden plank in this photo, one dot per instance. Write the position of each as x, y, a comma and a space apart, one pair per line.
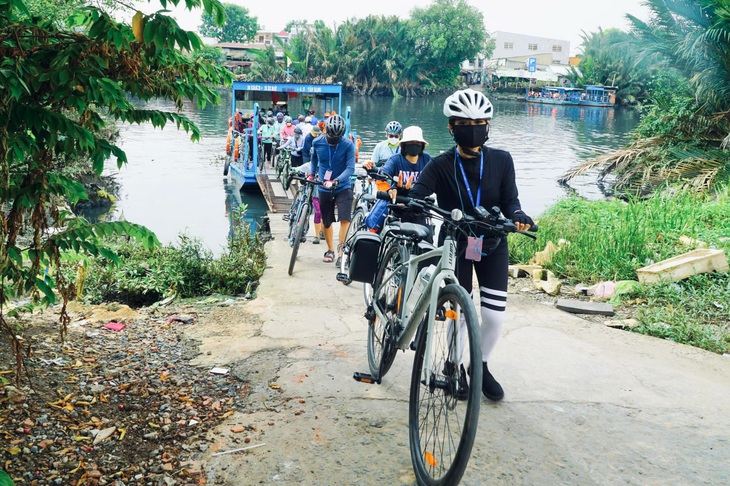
682, 266
583, 307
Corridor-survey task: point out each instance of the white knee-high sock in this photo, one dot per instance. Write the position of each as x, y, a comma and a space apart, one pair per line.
493, 304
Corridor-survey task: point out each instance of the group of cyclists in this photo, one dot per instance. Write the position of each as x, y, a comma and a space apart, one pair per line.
277, 130
468, 175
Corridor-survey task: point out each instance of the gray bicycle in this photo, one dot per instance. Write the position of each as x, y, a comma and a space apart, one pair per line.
418, 304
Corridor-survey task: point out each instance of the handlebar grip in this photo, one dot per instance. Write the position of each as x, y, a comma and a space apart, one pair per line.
533, 228
398, 199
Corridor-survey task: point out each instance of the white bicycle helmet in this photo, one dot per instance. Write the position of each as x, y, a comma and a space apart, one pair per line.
470, 104
336, 126
393, 128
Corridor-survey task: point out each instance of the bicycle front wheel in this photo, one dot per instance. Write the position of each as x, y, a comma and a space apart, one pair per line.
389, 296
299, 233
443, 415
356, 224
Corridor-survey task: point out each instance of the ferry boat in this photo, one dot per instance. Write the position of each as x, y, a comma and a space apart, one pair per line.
247, 99
600, 96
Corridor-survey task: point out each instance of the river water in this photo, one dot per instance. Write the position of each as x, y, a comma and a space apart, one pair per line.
172, 185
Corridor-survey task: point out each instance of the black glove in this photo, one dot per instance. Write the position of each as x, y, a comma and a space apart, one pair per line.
520, 217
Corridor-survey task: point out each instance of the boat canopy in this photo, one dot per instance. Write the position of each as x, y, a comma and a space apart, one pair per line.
278, 93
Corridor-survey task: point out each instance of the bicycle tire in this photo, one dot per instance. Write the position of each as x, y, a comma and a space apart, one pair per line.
382, 335
286, 176
356, 223
434, 410
298, 234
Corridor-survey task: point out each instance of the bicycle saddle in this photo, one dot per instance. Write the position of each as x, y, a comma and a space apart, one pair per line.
414, 230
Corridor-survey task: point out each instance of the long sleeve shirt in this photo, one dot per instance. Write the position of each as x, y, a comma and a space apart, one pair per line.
340, 160
295, 144
443, 177
383, 152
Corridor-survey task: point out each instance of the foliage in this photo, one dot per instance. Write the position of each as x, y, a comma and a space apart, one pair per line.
382, 54
685, 136
610, 240
445, 34
209, 53
239, 26
143, 275
5, 480
692, 311
60, 82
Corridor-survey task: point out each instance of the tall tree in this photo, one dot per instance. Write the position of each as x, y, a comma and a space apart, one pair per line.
61, 80
239, 26
445, 34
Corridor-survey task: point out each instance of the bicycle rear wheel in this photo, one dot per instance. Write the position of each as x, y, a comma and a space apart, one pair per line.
441, 424
299, 233
382, 333
357, 222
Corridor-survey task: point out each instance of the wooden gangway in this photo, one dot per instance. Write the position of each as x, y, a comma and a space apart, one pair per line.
278, 200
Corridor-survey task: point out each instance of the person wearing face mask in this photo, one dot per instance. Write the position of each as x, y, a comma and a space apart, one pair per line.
468, 175
296, 144
405, 166
287, 131
333, 163
267, 133
387, 148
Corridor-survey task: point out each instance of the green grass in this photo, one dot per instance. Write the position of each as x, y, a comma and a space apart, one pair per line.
610, 240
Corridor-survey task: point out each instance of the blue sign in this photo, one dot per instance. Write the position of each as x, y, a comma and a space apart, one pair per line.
532, 64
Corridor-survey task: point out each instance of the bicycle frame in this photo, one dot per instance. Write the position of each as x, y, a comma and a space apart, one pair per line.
444, 272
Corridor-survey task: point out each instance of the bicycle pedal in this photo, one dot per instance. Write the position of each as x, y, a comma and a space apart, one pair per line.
342, 277
369, 314
365, 378
285, 217
413, 345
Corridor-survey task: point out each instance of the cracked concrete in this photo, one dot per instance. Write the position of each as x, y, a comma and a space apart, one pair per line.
585, 404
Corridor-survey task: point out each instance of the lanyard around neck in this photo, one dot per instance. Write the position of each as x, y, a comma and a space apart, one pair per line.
331, 153
477, 201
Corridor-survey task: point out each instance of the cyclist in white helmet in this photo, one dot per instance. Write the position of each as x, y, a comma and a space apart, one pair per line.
387, 148
472, 174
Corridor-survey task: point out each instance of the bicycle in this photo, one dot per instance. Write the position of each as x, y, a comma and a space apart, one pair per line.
298, 215
283, 162
363, 204
428, 311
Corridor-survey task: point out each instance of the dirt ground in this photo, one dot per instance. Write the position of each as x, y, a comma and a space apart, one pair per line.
585, 403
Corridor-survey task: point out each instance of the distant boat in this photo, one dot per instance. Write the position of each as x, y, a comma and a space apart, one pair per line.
601, 96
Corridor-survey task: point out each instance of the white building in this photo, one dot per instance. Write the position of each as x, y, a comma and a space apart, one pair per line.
512, 52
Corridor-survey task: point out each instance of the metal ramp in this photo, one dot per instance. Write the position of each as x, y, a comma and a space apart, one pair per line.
278, 200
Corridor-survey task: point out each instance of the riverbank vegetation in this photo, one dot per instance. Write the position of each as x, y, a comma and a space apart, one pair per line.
684, 134
383, 55
141, 275
609, 240
62, 79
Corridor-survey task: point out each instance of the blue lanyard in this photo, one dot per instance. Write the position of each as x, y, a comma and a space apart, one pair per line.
332, 154
477, 201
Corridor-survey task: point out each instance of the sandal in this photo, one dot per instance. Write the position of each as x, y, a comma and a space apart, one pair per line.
315, 241
329, 256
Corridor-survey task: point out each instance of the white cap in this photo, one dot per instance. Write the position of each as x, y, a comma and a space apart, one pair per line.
412, 134
307, 119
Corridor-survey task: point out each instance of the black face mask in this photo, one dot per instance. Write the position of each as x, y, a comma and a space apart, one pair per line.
470, 136
412, 149
333, 140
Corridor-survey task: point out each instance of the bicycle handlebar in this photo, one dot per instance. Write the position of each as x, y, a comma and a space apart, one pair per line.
491, 220
300, 177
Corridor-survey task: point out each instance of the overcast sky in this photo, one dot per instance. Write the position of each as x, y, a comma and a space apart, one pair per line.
561, 19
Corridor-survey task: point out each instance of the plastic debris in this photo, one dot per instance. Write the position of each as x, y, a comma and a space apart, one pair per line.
115, 326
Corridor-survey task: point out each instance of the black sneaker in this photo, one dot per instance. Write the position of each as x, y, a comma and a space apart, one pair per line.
490, 387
